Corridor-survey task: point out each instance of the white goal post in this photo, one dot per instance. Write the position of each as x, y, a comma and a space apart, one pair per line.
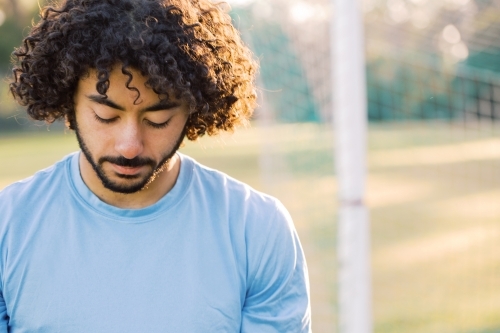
350, 124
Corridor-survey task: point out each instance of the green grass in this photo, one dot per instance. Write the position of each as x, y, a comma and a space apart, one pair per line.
433, 193
26, 154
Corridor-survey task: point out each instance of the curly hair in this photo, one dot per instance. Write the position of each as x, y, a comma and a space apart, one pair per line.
185, 47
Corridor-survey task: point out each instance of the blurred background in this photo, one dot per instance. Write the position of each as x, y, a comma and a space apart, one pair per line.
433, 72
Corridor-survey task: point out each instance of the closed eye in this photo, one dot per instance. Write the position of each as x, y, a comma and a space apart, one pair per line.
103, 120
156, 125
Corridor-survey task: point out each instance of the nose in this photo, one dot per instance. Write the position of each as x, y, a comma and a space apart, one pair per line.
129, 141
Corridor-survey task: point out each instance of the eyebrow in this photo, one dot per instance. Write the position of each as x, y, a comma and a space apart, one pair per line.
104, 101
160, 106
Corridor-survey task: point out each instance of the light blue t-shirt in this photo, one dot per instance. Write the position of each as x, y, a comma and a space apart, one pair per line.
213, 255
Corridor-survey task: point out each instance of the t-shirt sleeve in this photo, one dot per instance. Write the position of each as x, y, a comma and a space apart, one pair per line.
3, 315
4, 319
277, 297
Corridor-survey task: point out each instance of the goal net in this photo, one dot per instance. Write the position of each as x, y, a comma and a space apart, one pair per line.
433, 92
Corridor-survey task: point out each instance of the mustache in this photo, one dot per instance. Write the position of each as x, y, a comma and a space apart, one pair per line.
130, 163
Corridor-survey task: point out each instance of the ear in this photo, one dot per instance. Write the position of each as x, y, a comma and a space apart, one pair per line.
69, 121
66, 122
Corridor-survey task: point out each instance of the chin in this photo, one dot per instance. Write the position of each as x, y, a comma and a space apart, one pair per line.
125, 186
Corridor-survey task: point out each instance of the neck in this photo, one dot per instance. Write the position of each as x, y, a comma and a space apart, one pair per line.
153, 192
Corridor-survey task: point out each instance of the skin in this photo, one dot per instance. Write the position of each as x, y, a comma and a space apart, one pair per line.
128, 143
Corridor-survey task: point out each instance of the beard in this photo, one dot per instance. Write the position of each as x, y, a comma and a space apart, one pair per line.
135, 183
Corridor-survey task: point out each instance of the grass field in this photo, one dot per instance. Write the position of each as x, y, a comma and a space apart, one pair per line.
434, 197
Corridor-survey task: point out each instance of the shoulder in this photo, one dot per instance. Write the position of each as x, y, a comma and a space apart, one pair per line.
226, 191
22, 194
261, 218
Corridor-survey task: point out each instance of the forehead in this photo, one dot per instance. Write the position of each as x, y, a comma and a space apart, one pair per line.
126, 87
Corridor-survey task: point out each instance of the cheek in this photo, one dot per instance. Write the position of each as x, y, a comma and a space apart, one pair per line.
95, 139
165, 140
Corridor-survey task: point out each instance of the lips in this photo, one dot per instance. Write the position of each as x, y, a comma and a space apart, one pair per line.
129, 171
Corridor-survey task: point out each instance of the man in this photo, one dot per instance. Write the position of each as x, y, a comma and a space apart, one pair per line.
129, 235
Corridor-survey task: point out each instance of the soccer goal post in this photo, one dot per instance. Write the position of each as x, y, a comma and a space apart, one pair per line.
350, 125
